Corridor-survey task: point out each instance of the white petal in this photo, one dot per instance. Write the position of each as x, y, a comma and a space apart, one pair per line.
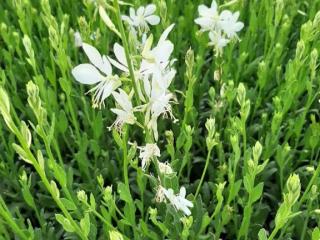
127, 19
120, 54
150, 9
153, 19
238, 26
214, 5
93, 55
225, 15
118, 65
163, 51
123, 100
203, 10
236, 15
182, 192
132, 13
86, 74
165, 34
106, 67
203, 22
140, 11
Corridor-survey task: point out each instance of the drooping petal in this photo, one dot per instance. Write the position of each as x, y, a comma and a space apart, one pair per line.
153, 20
86, 74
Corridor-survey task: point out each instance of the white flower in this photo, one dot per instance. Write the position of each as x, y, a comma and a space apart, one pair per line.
165, 168
147, 153
91, 74
209, 17
179, 201
157, 60
125, 112
218, 41
229, 23
142, 17
157, 77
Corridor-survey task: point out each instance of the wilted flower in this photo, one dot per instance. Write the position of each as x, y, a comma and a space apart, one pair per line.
165, 168
160, 197
147, 153
142, 17
91, 74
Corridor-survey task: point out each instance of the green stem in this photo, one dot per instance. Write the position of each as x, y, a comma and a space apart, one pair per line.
46, 183
9, 220
126, 49
273, 234
305, 225
203, 173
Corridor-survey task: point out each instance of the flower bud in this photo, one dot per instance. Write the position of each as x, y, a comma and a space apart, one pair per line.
163, 10
313, 63
107, 194
241, 94
294, 187
262, 74
256, 151
300, 49
114, 235
54, 189
82, 196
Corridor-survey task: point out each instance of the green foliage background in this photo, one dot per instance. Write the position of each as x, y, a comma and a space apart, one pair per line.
276, 60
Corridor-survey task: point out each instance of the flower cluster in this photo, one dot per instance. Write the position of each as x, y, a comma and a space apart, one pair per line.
147, 97
222, 27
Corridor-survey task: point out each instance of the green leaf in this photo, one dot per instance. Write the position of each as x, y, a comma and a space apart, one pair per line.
85, 224
124, 193
262, 234
23, 155
316, 234
68, 204
256, 192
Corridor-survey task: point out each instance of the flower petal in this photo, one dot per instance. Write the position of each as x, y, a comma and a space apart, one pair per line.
118, 65
120, 54
150, 9
106, 67
165, 34
153, 20
93, 55
86, 74
140, 11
